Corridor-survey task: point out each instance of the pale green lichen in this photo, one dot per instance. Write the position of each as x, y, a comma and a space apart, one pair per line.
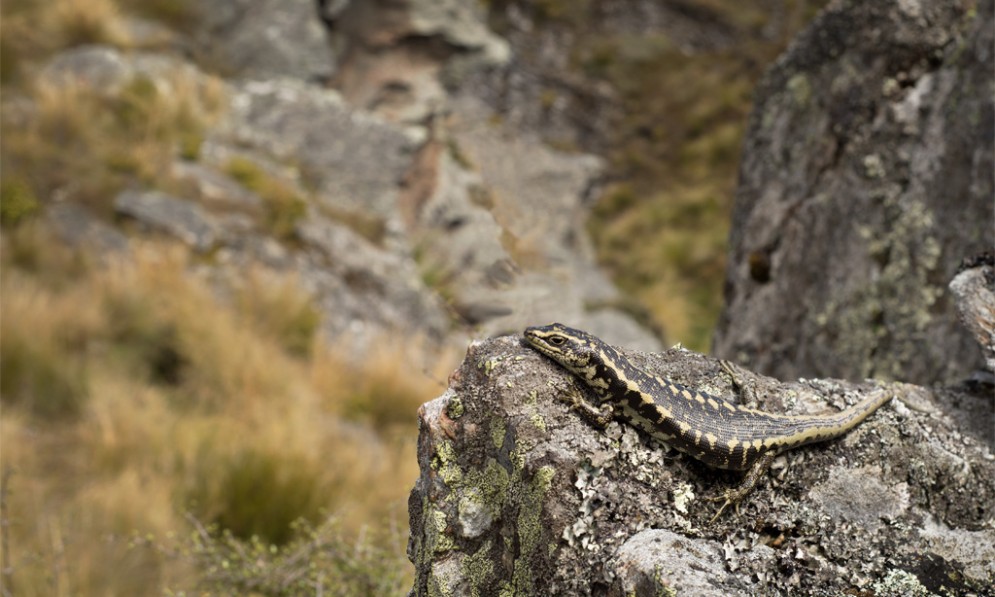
530, 528
800, 89
498, 430
488, 365
662, 588
898, 304
899, 583
532, 405
444, 462
873, 166
491, 484
478, 568
683, 496
434, 540
443, 542
455, 409
437, 587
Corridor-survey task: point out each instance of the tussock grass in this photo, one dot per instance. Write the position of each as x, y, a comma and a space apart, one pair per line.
178, 403
32, 31
279, 311
283, 206
85, 144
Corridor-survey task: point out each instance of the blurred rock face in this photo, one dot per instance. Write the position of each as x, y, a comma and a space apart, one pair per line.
866, 179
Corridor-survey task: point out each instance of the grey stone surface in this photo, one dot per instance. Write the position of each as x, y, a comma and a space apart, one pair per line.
262, 39
180, 218
98, 66
353, 160
518, 494
396, 54
974, 292
79, 228
866, 177
360, 287
213, 186
499, 220
656, 560
106, 69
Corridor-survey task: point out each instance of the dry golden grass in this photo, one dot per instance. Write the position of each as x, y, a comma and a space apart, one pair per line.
34, 30
84, 144
184, 404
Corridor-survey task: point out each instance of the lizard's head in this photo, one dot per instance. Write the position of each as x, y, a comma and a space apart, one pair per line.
571, 348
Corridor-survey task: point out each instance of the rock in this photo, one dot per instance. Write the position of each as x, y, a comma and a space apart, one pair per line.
100, 67
364, 290
498, 218
180, 218
214, 187
256, 39
974, 291
691, 566
867, 173
518, 494
352, 160
79, 228
396, 54
106, 70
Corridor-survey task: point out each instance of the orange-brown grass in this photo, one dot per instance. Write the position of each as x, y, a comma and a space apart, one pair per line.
31, 31
85, 144
179, 403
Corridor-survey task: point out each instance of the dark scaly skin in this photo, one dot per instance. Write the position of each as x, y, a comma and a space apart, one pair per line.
712, 430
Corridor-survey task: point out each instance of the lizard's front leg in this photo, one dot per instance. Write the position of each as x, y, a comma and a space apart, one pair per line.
599, 417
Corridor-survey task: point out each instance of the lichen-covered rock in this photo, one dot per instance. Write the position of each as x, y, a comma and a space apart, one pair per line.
518, 495
867, 175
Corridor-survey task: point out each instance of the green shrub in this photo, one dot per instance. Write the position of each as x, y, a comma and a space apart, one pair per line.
318, 560
254, 493
283, 207
52, 385
17, 202
282, 311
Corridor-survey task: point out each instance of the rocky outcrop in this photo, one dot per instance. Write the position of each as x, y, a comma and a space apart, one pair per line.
867, 176
431, 230
351, 159
397, 55
158, 211
253, 39
517, 495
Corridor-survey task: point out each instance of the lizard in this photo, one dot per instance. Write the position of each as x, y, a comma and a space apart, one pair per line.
713, 430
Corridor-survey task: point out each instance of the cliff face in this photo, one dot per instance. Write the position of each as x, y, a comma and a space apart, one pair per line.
866, 179
339, 157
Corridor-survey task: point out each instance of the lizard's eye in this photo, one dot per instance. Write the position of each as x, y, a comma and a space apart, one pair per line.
557, 340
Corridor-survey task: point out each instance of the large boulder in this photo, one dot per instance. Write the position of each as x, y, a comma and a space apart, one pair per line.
866, 177
518, 495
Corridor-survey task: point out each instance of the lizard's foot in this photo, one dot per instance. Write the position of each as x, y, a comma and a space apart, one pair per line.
599, 417
735, 495
729, 497
747, 394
